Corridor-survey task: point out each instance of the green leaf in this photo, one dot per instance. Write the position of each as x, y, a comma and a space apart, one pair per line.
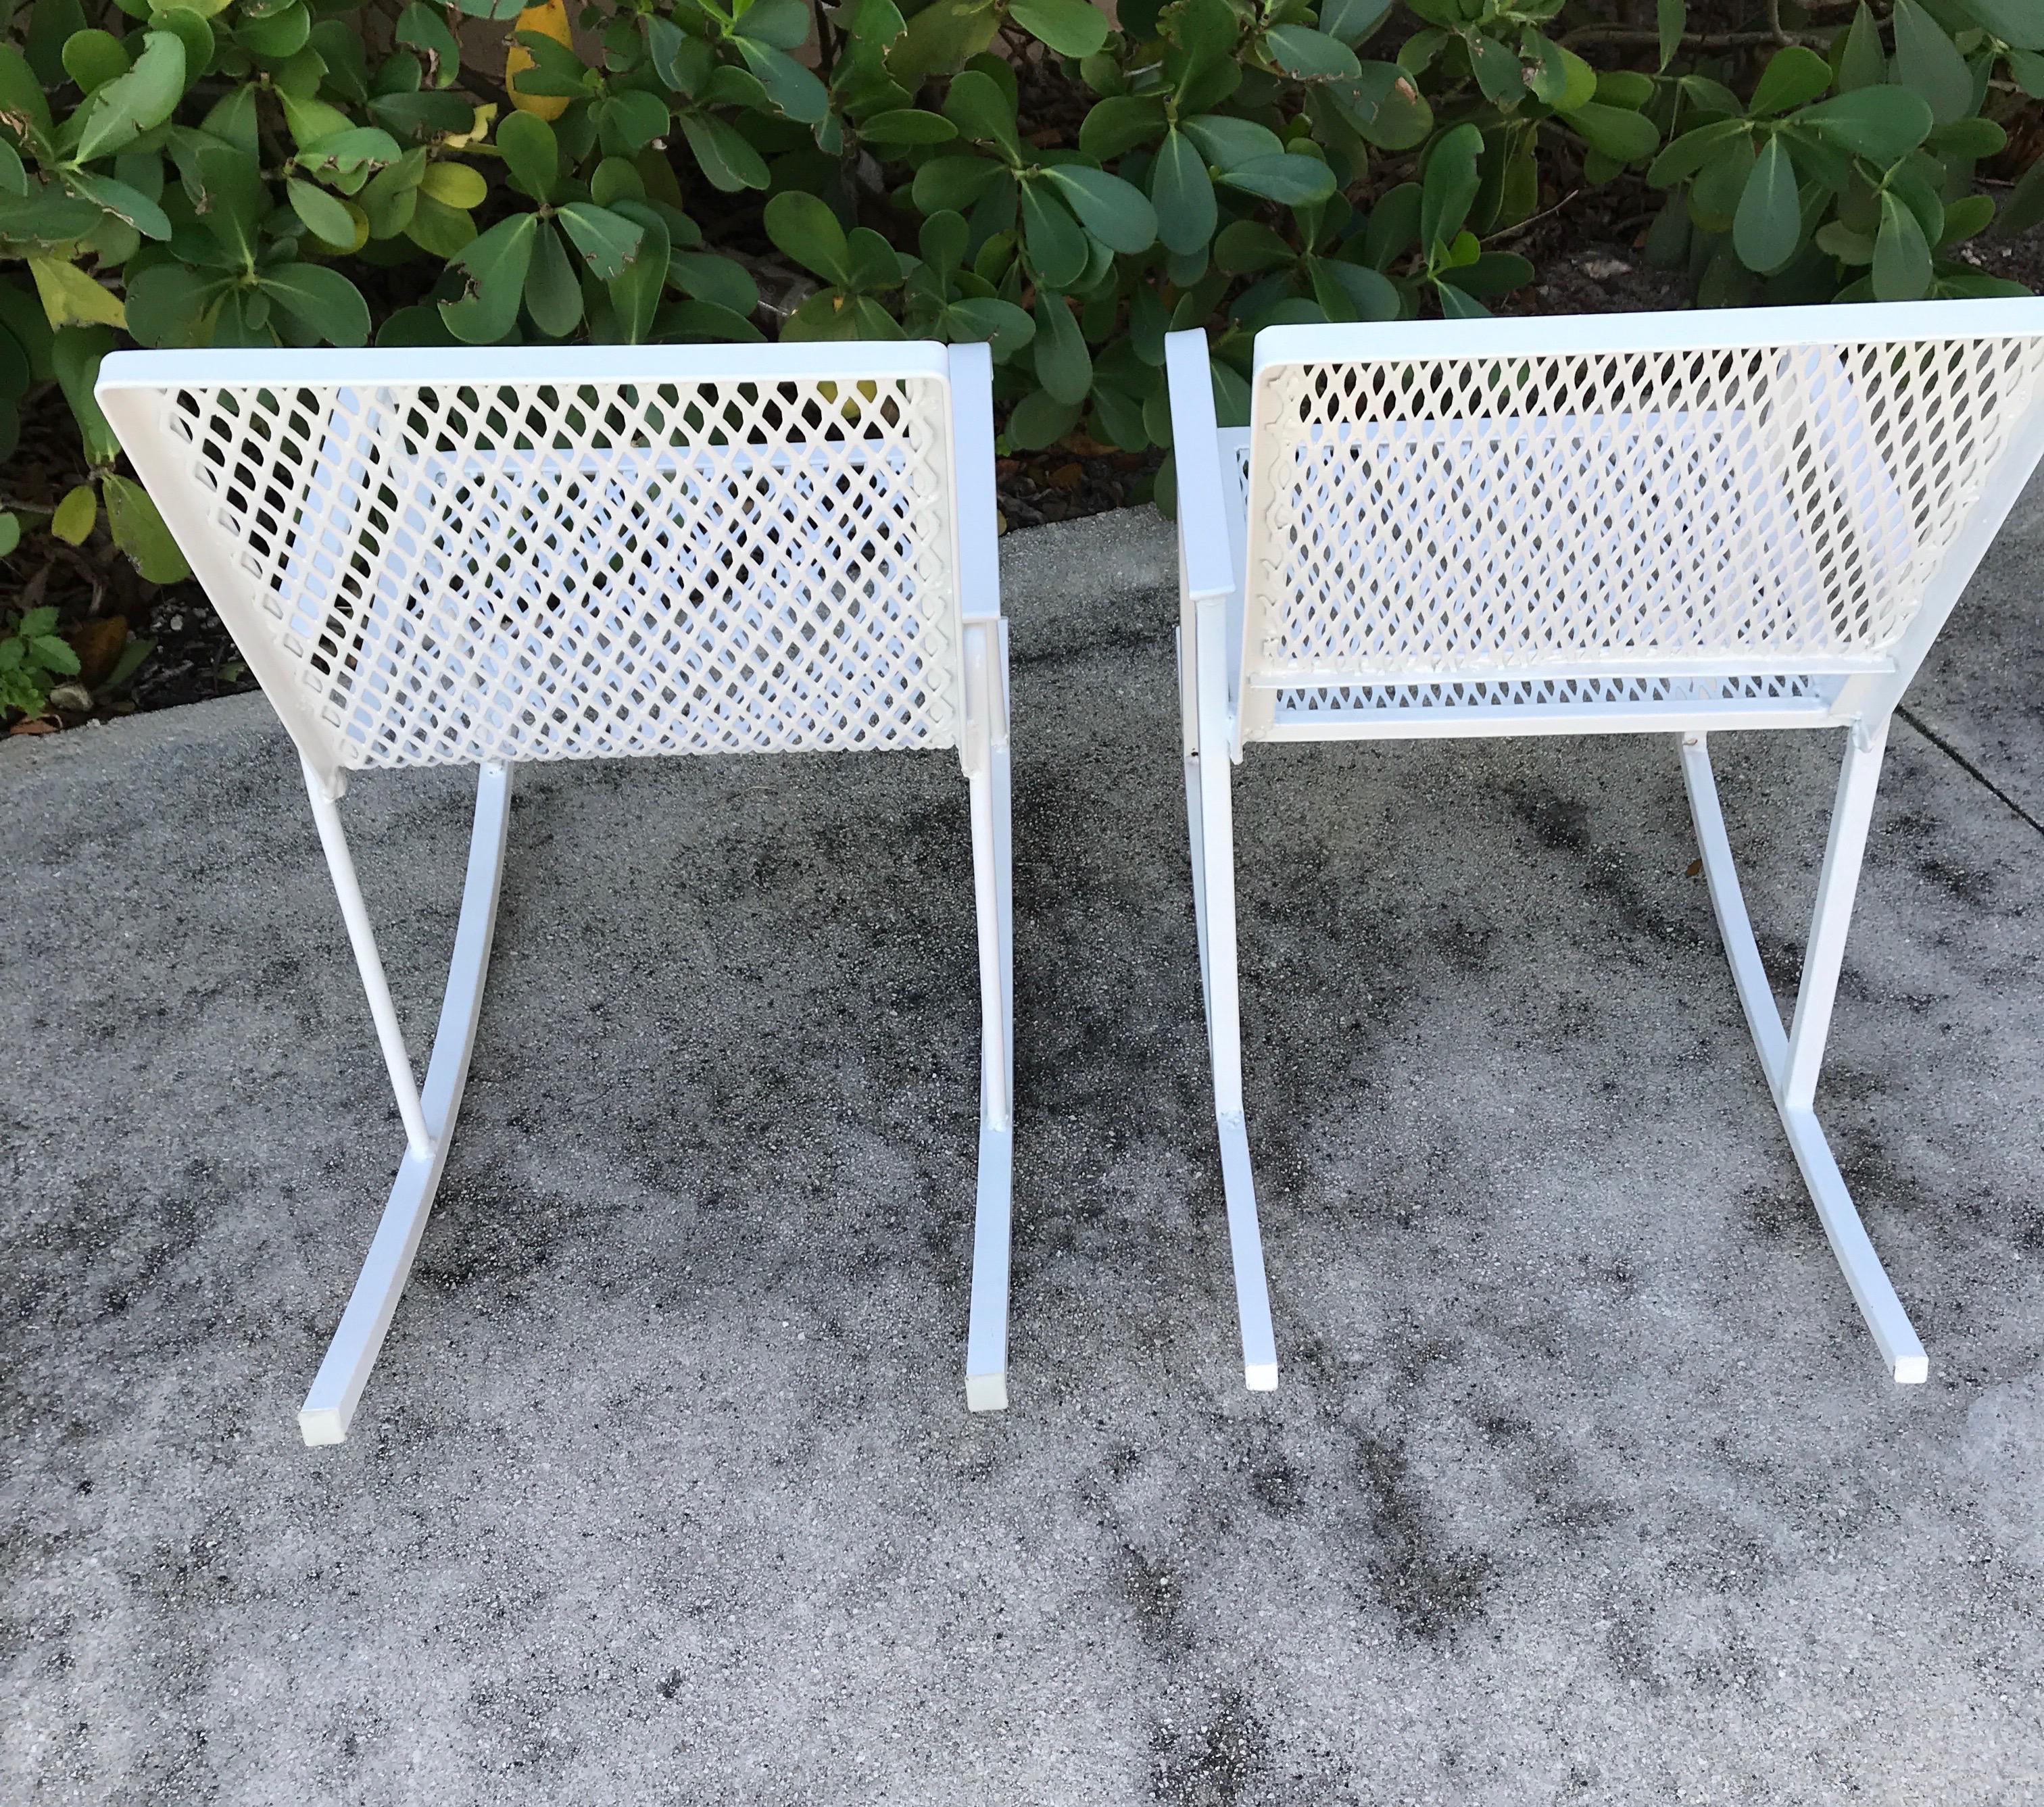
907, 125
1838, 240
635, 292
1884, 123
168, 304
279, 34
2025, 205
1293, 178
1929, 61
1040, 419
1182, 193
55, 655
717, 280
792, 88
953, 183
1901, 255
1448, 185
1965, 218
1862, 59
94, 58
1352, 21
608, 241
1249, 247
1113, 211
22, 100
1352, 291
1055, 242
10, 533
136, 102
324, 217
1499, 73
1311, 56
1001, 324
1671, 20
982, 109
1457, 303
320, 299
531, 152
1623, 135
2017, 23
807, 230
76, 515
1558, 78
123, 202
940, 38
553, 291
138, 530
783, 24
1064, 366
1227, 141
1769, 220
727, 160
1793, 76
495, 262
1070, 27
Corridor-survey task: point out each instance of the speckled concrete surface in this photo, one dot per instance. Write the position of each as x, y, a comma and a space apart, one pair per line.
1583, 1484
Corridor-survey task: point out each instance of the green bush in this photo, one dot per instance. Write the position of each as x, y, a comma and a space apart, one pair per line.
304, 172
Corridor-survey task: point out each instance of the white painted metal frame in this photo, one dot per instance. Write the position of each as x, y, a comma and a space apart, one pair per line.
476, 557
1852, 482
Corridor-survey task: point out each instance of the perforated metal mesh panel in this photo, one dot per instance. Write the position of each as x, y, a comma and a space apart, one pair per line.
532, 571
1769, 509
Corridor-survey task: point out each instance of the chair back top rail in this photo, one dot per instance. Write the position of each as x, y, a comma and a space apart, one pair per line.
1761, 490
447, 556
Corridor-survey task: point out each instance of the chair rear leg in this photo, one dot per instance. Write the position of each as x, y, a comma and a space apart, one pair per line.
988, 775
1209, 814
1791, 1060
336, 1390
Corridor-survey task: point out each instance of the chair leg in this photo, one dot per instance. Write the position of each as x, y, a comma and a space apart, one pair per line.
1209, 818
1791, 1060
330, 1404
988, 775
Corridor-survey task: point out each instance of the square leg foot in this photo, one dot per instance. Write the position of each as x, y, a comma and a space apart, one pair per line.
986, 1392
1261, 1376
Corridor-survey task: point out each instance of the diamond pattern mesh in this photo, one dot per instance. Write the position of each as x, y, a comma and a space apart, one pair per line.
1336, 701
524, 570
1773, 509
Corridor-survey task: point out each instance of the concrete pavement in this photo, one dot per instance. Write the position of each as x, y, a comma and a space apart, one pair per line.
1583, 1483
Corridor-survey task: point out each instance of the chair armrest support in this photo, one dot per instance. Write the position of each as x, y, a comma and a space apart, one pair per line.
1203, 544
978, 521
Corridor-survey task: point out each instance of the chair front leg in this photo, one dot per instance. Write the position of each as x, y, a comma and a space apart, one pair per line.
1790, 1061
337, 1388
1210, 821
987, 771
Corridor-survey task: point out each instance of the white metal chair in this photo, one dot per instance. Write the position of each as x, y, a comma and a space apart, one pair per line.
1650, 523
480, 557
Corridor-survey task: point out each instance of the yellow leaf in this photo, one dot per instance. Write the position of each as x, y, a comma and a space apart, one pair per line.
76, 515
456, 185
71, 298
486, 117
550, 21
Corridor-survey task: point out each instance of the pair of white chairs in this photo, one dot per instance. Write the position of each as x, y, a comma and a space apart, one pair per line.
1672, 523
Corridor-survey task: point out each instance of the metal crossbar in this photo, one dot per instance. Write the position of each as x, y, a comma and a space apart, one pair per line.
1641, 523
490, 557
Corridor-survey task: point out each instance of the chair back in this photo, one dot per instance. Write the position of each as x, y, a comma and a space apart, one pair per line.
440, 557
